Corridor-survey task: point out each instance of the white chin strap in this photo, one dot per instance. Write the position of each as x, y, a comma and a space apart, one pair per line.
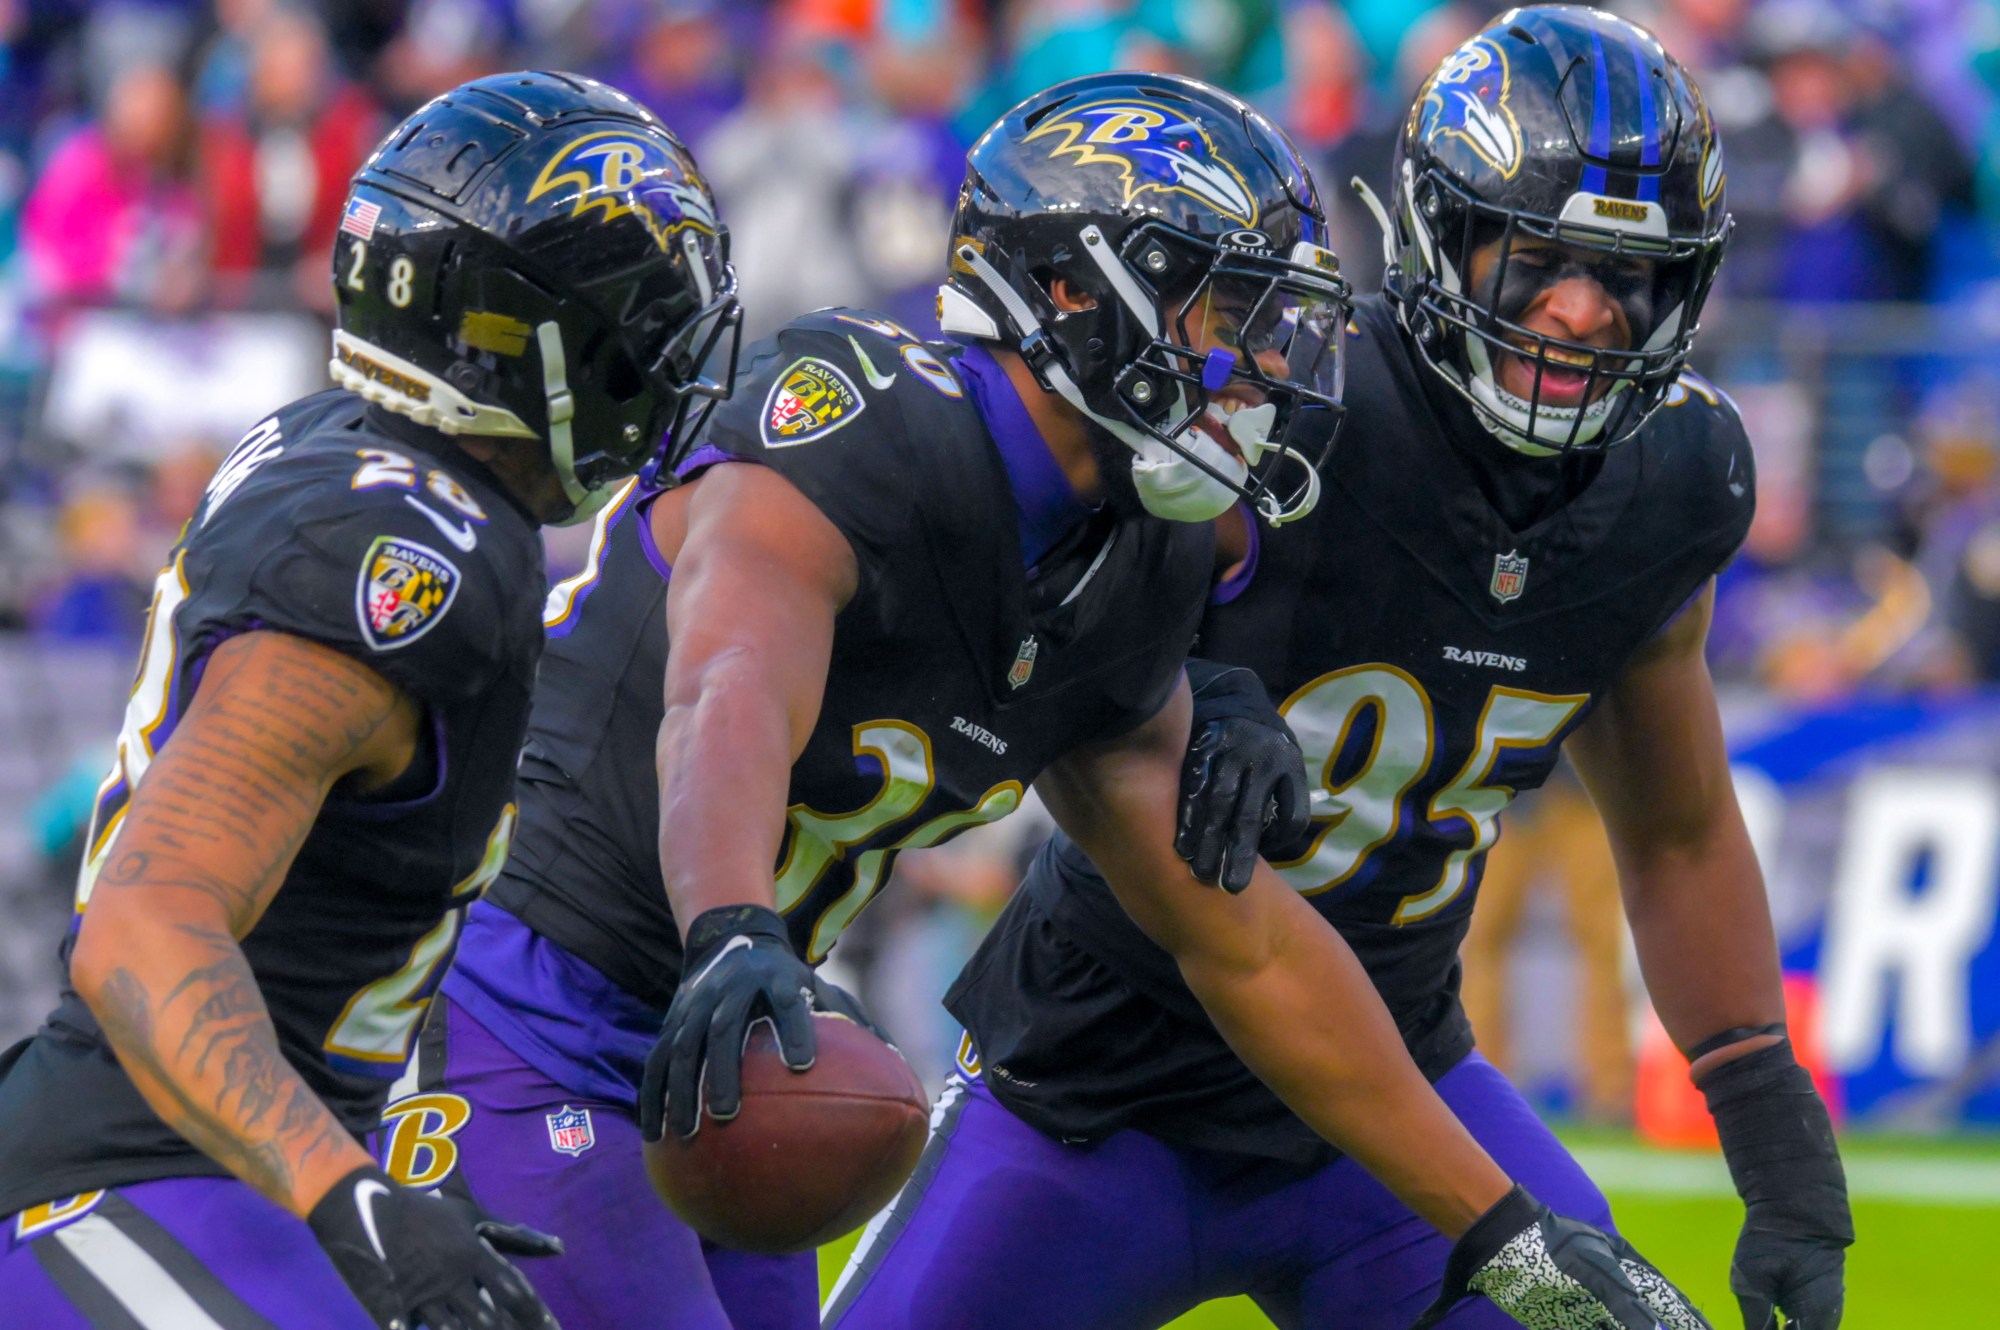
1169, 484
562, 443
409, 390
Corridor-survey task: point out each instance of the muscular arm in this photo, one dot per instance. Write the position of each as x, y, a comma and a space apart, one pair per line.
1654, 760
1280, 984
207, 840
759, 576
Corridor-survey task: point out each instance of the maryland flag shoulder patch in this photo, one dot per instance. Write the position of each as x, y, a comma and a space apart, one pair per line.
810, 400
405, 589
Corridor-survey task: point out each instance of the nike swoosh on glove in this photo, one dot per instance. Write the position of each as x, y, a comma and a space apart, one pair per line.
416, 1259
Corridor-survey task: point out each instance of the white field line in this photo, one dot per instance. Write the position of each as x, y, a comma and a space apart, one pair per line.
1929, 1181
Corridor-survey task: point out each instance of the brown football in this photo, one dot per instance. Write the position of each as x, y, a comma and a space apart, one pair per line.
811, 1155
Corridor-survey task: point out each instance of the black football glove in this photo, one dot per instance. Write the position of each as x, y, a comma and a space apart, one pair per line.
740, 969
1244, 783
415, 1259
1778, 1140
1551, 1273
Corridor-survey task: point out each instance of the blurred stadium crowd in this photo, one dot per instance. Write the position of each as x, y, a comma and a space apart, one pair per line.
171, 178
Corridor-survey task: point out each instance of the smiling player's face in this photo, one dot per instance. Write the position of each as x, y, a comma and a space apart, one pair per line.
1571, 294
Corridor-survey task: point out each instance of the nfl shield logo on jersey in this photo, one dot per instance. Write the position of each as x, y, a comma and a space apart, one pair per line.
569, 1130
1510, 576
1024, 662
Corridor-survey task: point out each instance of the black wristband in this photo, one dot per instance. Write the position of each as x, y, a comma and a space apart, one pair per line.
1778, 1141
712, 928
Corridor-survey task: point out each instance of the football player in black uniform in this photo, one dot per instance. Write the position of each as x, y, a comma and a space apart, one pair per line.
316, 772
1516, 548
901, 581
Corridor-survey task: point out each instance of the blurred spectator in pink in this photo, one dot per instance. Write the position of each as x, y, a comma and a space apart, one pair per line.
1704, 34
115, 216
277, 172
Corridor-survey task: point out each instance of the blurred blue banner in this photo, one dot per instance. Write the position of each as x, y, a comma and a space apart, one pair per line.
1878, 824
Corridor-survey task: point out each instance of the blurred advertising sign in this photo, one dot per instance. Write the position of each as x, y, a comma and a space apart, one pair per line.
1879, 829
124, 384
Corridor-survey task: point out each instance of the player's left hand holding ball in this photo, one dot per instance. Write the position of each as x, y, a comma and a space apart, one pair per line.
1243, 785
435, 1262
1552, 1273
740, 968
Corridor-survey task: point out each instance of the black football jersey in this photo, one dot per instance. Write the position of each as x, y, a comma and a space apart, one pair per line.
1431, 660
955, 676
418, 564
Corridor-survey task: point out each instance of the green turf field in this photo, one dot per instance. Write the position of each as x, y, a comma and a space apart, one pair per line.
1926, 1212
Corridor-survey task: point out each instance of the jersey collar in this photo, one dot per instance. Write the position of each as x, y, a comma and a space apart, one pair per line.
1046, 506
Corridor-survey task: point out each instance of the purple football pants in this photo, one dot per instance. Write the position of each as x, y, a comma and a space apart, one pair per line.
482, 1122
1003, 1228
177, 1254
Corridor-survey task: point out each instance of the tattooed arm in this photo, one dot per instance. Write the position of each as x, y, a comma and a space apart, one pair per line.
208, 838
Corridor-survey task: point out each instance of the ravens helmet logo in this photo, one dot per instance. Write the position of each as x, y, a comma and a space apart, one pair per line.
1156, 148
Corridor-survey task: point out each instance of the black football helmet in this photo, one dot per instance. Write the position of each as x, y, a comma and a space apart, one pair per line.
1567, 125
1166, 201
537, 256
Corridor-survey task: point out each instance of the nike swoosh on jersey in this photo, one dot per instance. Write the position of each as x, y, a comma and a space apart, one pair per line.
462, 534
879, 382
